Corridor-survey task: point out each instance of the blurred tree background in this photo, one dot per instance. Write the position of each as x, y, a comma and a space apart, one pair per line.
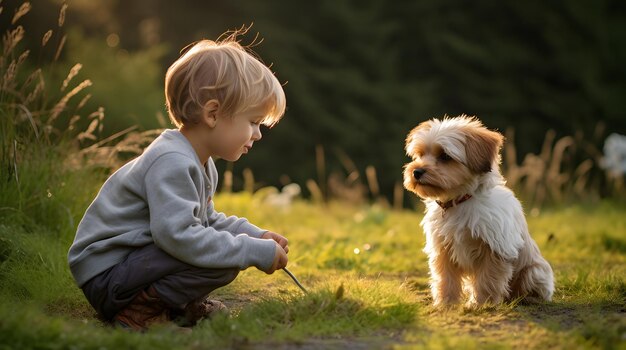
360, 74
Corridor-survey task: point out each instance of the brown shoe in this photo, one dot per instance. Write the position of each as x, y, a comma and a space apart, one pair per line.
201, 309
145, 310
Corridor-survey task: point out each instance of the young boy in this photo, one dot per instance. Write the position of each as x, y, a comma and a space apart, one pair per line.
151, 246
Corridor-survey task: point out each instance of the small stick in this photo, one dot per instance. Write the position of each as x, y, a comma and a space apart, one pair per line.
295, 280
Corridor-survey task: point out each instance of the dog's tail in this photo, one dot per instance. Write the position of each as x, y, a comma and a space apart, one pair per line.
534, 281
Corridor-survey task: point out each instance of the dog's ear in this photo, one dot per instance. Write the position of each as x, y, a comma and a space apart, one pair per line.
411, 138
482, 148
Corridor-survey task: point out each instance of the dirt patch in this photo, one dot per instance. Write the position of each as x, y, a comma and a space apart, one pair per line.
568, 316
72, 309
353, 343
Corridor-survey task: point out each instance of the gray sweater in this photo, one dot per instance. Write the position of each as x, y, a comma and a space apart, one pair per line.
165, 197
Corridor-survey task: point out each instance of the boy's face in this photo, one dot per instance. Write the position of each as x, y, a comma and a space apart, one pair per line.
234, 136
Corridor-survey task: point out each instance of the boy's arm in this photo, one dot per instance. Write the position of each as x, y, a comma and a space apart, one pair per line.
232, 224
172, 187
219, 220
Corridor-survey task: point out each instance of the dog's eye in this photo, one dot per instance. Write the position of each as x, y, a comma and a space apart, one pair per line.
444, 157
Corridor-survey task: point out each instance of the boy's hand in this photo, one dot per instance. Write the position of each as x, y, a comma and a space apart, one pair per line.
280, 260
282, 241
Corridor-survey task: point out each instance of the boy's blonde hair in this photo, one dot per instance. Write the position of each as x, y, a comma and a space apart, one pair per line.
225, 71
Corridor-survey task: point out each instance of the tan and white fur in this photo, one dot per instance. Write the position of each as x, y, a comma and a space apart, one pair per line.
477, 239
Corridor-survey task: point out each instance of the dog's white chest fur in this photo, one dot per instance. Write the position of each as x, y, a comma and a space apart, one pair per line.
465, 250
465, 229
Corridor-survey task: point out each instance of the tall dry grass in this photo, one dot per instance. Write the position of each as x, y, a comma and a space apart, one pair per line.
567, 169
29, 126
50, 149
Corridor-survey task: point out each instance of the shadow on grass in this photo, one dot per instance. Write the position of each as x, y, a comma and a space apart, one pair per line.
322, 313
600, 323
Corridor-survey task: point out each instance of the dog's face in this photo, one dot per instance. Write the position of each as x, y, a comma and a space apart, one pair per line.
447, 155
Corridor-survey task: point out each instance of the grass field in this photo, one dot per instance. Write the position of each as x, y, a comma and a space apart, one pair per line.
368, 288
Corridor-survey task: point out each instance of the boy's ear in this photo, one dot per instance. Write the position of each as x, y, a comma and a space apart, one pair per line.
209, 112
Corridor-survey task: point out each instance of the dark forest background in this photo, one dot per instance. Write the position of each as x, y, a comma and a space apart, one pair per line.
360, 74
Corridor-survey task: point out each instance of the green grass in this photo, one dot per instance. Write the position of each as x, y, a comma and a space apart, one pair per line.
368, 286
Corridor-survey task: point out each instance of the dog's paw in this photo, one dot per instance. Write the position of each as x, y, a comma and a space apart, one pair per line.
472, 305
445, 304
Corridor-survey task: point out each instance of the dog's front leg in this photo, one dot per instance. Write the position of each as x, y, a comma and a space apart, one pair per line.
490, 281
445, 279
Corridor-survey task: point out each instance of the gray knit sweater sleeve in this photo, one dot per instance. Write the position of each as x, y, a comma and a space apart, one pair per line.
173, 185
218, 220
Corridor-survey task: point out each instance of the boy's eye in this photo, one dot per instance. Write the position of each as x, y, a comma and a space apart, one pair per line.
444, 157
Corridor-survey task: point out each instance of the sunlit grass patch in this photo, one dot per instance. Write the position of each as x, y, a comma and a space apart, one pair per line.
339, 236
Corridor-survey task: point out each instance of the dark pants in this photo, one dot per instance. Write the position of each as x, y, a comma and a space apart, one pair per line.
176, 282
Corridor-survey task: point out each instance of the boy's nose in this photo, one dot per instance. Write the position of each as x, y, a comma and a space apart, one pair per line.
256, 135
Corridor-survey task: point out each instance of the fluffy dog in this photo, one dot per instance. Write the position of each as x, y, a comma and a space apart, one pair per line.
477, 239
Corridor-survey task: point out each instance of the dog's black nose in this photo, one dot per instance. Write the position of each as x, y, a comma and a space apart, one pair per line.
417, 173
